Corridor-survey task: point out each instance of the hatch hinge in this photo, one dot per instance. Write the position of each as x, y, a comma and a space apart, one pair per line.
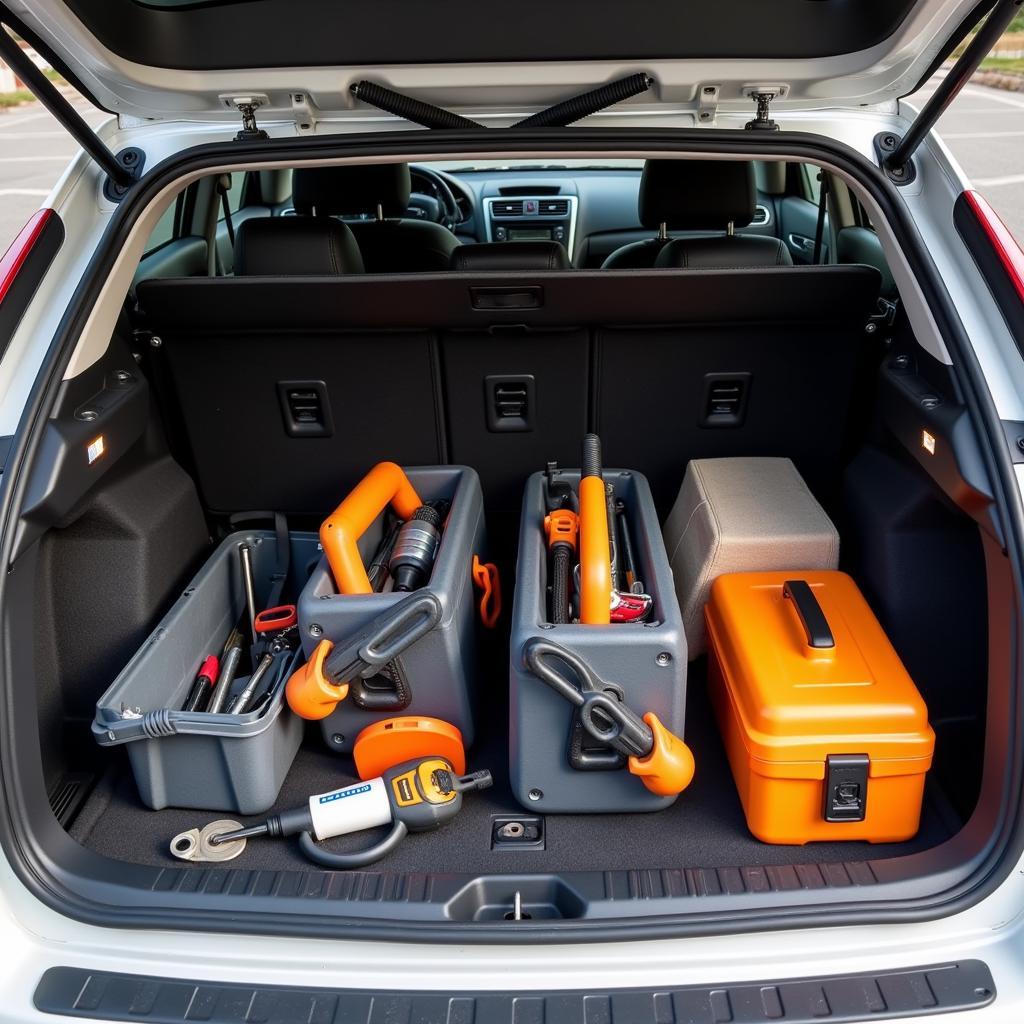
302, 111
763, 95
247, 107
707, 103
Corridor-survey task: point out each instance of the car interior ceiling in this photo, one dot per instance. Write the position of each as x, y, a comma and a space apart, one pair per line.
399, 307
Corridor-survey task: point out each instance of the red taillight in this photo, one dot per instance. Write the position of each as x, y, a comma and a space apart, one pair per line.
15, 257
1005, 245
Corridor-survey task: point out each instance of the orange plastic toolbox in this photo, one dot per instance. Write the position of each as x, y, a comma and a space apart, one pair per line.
826, 733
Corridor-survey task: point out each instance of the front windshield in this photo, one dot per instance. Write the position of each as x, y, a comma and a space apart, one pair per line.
612, 163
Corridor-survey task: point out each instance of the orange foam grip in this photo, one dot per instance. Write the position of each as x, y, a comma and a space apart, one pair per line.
668, 769
309, 693
385, 484
595, 556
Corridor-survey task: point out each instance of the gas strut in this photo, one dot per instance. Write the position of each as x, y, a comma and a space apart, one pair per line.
557, 116
578, 107
411, 109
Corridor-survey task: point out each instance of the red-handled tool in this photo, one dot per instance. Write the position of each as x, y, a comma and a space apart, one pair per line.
203, 685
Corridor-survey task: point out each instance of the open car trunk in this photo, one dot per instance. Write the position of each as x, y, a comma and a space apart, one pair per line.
407, 374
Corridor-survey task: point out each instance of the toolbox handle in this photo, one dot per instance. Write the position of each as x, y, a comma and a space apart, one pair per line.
812, 618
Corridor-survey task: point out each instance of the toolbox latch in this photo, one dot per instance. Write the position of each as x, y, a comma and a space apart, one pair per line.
846, 787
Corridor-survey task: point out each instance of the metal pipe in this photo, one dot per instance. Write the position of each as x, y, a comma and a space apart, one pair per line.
51, 97
977, 49
245, 555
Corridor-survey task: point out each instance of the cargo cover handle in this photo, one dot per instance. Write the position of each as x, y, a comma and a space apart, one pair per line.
812, 618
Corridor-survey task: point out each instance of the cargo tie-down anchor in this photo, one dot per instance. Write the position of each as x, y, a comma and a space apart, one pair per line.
661, 760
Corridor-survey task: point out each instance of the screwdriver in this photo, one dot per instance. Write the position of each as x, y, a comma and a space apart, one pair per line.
205, 680
237, 705
227, 674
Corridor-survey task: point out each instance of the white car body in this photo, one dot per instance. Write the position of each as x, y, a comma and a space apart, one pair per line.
849, 99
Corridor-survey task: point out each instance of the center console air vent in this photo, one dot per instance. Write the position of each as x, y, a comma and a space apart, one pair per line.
554, 207
529, 190
507, 208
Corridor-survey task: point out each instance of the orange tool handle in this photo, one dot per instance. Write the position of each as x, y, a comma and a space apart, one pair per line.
385, 484
485, 576
309, 692
668, 769
562, 526
595, 559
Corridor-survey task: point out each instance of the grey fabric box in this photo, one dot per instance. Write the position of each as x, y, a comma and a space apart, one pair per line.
741, 515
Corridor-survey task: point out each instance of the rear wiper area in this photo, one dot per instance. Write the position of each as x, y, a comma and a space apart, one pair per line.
557, 116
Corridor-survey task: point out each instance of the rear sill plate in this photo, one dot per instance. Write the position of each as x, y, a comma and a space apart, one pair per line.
97, 995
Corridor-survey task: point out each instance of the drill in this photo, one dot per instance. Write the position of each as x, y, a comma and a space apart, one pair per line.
415, 548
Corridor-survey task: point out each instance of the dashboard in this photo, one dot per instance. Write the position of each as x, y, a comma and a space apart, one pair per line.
591, 210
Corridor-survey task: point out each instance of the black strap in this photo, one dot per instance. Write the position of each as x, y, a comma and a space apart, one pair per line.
819, 231
225, 205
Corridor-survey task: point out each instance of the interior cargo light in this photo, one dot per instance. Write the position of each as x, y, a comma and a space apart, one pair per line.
14, 259
1005, 245
95, 449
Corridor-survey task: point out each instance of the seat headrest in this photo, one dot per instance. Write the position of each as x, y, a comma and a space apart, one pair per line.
295, 247
697, 195
355, 189
511, 256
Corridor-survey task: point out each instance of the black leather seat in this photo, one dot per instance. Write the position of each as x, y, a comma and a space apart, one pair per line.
698, 195
388, 242
295, 247
510, 256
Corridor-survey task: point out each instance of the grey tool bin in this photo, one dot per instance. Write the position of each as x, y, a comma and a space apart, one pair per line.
647, 660
194, 759
441, 668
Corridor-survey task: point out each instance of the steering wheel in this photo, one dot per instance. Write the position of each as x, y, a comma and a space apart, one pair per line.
447, 212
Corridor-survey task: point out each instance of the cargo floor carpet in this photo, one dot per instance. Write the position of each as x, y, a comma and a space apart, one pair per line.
704, 828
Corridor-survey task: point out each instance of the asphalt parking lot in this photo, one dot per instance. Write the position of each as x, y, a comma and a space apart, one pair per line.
984, 129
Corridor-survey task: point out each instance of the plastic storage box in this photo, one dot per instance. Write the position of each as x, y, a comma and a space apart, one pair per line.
646, 660
197, 760
826, 733
741, 515
441, 669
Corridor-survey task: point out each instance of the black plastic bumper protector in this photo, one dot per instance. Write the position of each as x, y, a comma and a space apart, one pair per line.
95, 890
921, 991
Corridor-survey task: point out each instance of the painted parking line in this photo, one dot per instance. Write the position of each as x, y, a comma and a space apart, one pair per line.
11, 136
1005, 179
993, 96
981, 135
15, 121
63, 157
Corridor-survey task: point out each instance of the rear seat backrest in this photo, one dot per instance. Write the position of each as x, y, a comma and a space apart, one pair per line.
408, 369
